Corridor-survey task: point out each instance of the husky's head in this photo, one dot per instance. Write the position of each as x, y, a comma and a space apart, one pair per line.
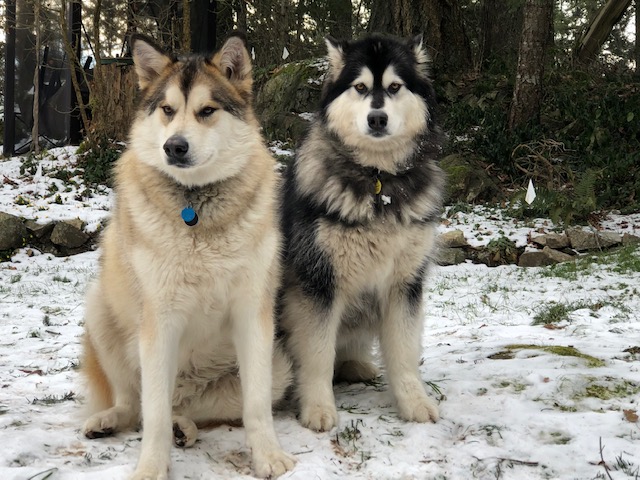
377, 97
195, 121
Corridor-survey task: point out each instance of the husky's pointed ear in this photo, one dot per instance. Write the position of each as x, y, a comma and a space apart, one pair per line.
148, 58
335, 55
422, 57
233, 59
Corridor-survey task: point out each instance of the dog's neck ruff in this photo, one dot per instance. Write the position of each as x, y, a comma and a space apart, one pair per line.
193, 196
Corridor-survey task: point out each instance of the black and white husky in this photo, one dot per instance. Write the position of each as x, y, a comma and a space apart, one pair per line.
360, 207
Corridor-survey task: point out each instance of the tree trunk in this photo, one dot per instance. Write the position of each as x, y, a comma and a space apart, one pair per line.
186, 26
600, 28
527, 93
637, 49
240, 7
35, 133
439, 20
340, 18
500, 29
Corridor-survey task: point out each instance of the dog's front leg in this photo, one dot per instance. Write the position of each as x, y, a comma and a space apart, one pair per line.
313, 342
401, 345
160, 334
253, 330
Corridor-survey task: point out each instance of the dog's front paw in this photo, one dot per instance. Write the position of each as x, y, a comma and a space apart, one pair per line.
419, 408
320, 418
151, 473
272, 463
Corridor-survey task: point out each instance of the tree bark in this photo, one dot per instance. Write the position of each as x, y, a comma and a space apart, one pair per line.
186, 26
440, 21
600, 28
527, 94
340, 18
500, 29
35, 133
637, 49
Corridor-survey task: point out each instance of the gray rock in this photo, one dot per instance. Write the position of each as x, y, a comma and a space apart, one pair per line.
450, 256
13, 233
453, 239
552, 240
557, 256
534, 259
66, 235
582, 239
39, 230
629, 239
76, 222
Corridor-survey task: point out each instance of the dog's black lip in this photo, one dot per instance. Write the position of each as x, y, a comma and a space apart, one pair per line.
377, 134
179, 163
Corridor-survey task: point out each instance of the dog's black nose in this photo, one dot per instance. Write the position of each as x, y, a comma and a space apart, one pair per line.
176, 148
377, 120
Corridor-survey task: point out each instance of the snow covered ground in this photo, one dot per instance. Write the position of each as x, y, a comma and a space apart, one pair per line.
513, 405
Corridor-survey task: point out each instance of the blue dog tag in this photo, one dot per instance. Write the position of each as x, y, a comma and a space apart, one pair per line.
189, 216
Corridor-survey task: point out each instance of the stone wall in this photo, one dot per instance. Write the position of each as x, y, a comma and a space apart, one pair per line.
59, 238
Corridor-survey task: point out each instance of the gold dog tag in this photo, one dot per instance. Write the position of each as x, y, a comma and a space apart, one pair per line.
378, 186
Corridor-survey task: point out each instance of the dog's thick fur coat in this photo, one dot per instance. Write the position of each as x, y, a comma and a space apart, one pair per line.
360, 208
179, 325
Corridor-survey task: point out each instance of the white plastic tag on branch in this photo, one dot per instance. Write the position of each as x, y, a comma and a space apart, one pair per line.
253, 53
285, 53
531, 193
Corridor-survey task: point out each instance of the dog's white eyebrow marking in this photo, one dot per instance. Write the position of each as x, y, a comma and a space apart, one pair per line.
390, 76
199, 97
366, 77
174, 97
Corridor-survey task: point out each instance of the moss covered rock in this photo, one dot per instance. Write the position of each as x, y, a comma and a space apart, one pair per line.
287, 99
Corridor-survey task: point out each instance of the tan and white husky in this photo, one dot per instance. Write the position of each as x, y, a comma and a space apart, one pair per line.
180, 323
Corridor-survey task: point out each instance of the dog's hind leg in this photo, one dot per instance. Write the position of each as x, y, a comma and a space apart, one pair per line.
185, 431
111, 381
401, 344
354, 357
222, 399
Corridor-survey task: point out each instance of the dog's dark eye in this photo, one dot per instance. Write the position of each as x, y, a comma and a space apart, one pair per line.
361, 88
206, 111
168, 111
394, 87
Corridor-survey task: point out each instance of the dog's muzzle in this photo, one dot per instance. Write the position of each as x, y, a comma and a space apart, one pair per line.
377, 121
177, 150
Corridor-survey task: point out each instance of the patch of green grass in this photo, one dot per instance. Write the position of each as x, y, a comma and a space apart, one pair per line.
61, 279
54, 399
508, 353
626, 259
609, 388
517, 387
559, 438
34, 334
622, 260
555, 312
